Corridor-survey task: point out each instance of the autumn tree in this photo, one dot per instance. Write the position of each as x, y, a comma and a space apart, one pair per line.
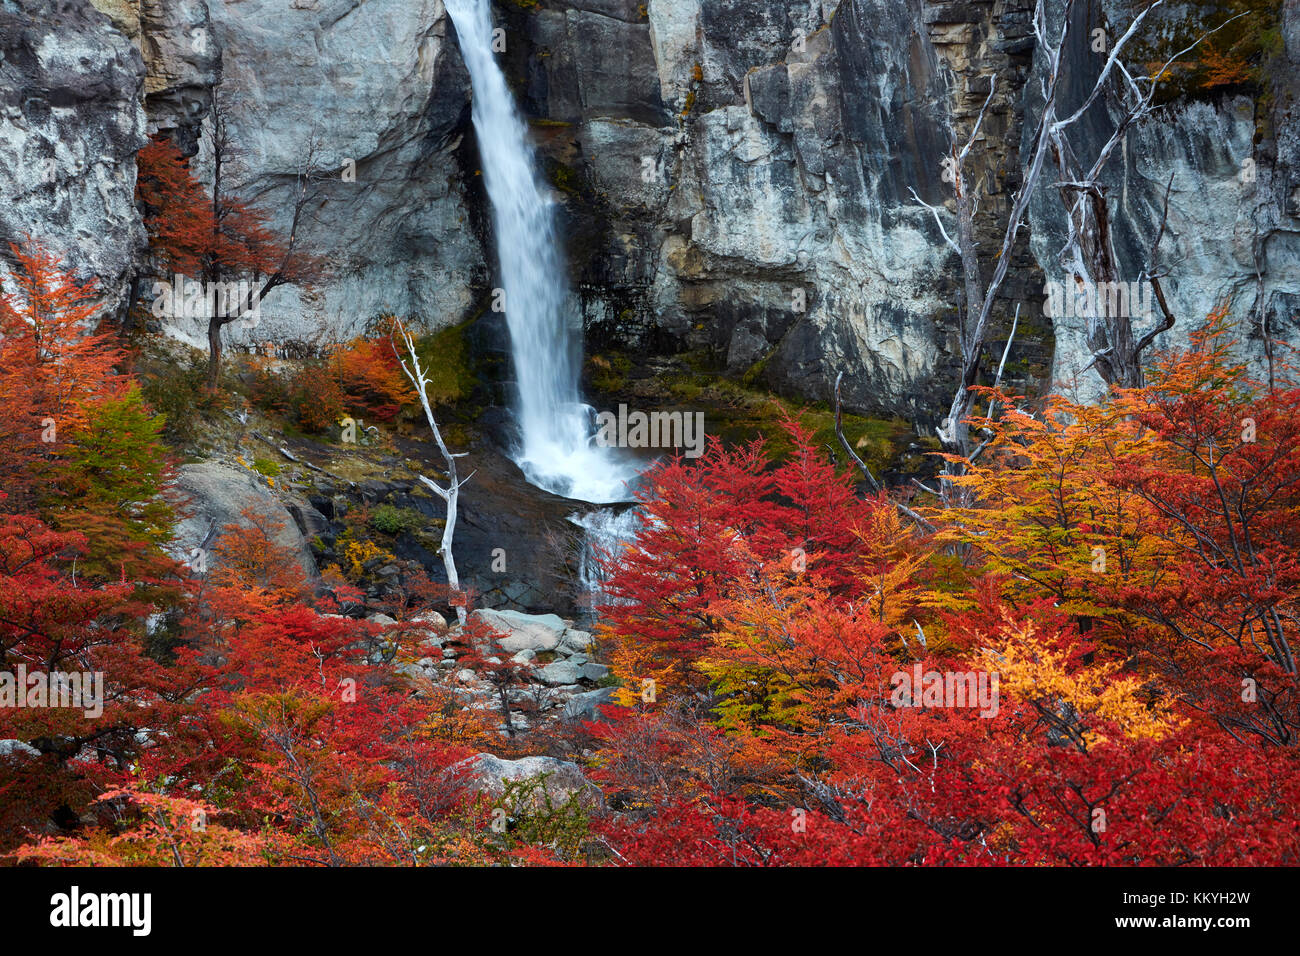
84, 449
55, 367
151, 829
704, 525
56, 621
1086, 743
218, 238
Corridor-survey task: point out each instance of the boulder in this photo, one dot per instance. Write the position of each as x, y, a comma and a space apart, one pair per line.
574, 641
560, 672
534, 632
593, 671
431, 619
218, 495
583, 706
562, 781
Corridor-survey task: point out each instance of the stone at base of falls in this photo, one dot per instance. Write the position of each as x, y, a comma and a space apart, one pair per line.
534, 632
574, 642
538, 633
562, 781
431, 619
593, 671
558, 673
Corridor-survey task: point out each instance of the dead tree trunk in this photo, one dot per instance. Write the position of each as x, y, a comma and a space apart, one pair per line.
1088, 256
451, 494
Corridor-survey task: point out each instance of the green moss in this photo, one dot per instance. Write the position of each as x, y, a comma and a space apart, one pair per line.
754, 374
266, 467
391, 520
445, 354
608, 371
738, 412
565, 179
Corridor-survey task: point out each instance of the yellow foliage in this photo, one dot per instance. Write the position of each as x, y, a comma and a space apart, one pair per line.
357, 554
1032, 671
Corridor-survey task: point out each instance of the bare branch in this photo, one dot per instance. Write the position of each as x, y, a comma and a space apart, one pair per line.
839, 433
939, 222
993, 85
420, 379
862, 465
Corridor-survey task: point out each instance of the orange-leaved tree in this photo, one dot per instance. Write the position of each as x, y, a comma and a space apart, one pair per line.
54, 366
220, 244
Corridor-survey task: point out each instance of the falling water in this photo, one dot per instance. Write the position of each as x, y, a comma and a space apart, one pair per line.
556, 450
606, 532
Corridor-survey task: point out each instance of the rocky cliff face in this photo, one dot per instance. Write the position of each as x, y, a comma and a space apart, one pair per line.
375, 95
738, 175
759, 205
754, 202
1229, 164
71, 121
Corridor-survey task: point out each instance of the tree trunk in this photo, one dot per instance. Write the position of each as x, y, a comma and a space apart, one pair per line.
448, 561
214, 352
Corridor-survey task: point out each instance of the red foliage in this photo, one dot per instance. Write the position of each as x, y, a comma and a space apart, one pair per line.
372, 378
190, 232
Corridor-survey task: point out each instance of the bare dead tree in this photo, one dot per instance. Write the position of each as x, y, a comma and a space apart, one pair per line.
874, 484
1088, 257
419, 378
1090, 231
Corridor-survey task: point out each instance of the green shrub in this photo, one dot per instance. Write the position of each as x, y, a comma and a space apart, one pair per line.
535, 820
176, 390
391, 520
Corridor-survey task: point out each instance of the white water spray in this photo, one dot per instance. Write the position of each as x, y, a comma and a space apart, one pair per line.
606, 532
556, 450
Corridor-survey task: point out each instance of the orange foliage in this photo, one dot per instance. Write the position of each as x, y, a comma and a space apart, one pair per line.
54, 366
372, 378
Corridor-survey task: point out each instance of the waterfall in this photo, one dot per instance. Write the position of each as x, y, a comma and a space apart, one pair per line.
606, 531
556, 450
